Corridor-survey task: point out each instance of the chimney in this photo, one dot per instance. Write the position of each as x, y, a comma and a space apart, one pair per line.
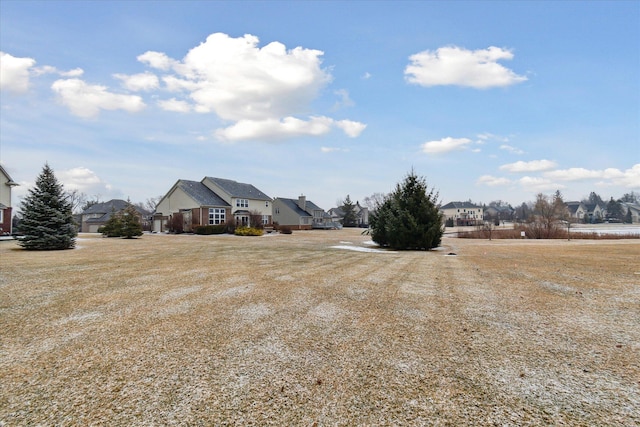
302, 203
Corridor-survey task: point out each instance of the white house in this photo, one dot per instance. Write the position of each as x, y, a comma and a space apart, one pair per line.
6, 183
463, 213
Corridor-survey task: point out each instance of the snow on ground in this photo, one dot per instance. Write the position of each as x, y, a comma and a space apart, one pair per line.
607, 229
361, 249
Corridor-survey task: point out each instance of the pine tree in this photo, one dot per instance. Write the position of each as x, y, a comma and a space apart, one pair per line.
628, 219
47, 222
409, 217
349, 209
130, 226
113, 226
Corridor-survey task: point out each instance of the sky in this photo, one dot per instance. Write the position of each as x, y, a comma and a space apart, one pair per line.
484, 100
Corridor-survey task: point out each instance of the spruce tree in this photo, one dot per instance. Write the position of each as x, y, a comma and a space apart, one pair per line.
47, 221
113, 226
130, 226
408, 218
349, 209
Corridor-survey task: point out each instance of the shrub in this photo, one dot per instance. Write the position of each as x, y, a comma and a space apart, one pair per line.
285, 229
210, 229
248, 231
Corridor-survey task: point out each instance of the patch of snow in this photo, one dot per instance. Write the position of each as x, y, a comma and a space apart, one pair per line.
361, 249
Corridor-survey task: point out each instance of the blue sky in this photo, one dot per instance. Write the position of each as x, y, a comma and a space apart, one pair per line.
486, 100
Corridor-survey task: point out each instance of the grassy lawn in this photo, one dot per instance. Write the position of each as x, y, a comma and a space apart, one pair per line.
301, 330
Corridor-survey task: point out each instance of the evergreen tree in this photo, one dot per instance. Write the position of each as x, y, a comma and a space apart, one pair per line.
628, 218
113, 226
130, 226
349, 209
614, 210
123, 224
409, 217
630, 197
594, 199
47, 222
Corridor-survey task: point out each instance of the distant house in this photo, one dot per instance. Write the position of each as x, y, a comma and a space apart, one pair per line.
502, 212
6, 183
577, 211
300, 214
212, 201
362, 215
596, 212
463, 213
97, 215
635, 211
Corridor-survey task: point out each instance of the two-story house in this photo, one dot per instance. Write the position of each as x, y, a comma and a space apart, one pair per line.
463, 213
6, 183
97, 215
300, 214
577, 211
212, 201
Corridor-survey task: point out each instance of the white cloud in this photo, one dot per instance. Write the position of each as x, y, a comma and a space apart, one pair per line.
538, 184
445, 145
48, 69
87, 100
271, 129
241, 81
262, 90
461, 67
157, 60
333, 149
532, 166
351, 128
175, 105
511, 149
14, 73
492, 181
629, 178
84, 180
137, 82
344, 101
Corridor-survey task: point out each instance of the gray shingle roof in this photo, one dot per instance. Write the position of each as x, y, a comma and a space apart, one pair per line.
106, 207
460, 205
293, 205
200, 193
239, 189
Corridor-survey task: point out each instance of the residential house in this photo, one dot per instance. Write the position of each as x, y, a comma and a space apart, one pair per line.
635, 211
300, 214
504, 213
463, 213
6, 183
98, 214
577, 211
596, 212
212, 201
362, 215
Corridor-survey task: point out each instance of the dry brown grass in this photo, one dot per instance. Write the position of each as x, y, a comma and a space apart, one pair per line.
286, 330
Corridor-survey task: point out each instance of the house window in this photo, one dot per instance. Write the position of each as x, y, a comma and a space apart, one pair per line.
277, 211
265, 219
242, 203
216, 216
